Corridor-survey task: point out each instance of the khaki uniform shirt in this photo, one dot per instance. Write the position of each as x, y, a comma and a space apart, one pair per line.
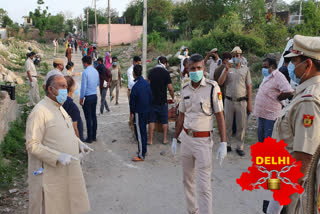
29, 66
195, 117
237, 81
299, 122
49, 133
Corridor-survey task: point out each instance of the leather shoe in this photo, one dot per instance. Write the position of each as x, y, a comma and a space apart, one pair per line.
241, 152
88, 141
229, 149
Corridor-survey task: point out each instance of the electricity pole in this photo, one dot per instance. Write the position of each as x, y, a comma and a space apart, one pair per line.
95, 18
88, 24
300, 12
109, 27
81, 26
144, 42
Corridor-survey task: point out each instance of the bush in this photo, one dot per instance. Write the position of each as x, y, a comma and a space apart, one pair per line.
174, 61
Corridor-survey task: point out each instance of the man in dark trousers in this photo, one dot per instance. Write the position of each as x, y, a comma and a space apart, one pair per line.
140, 101
160, 82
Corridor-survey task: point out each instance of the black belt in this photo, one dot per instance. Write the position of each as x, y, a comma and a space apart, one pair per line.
237, 99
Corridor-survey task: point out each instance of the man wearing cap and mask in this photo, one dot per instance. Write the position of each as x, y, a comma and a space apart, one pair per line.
213, 62
201, 100
237, 81
58, 66
298, 124
56, 183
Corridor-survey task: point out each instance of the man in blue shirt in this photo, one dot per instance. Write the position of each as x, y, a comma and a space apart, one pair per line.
140, 102
88, 97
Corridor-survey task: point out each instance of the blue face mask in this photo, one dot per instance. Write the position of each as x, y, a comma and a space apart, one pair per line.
114, 63
185, 53
265, 72
292, 75
236, 60
62, 96
196, 76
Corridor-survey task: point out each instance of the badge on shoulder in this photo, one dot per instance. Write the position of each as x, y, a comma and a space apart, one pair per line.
219, 96
308, 120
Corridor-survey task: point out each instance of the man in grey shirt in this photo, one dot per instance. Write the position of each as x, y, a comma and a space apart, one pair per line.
58, 65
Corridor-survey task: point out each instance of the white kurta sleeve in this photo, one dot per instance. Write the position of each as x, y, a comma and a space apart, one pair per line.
35, 134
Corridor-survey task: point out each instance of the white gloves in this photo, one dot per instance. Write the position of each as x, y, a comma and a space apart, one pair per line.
32, 84
65, 159
85, 149
274, 207
222, 152
174, 146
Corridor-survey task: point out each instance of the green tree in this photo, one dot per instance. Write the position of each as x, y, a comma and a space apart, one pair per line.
69, 26
6, 21
40, 17
134, 12
55, 23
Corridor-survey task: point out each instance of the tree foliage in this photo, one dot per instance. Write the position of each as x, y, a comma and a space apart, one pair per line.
40, 17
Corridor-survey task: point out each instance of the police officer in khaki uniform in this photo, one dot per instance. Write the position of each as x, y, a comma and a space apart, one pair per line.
237, 81
298, 124
32, 77
201, 99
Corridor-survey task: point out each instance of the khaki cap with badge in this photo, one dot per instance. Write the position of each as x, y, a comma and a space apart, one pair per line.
58, 61
305, 46
236, 50
214, 50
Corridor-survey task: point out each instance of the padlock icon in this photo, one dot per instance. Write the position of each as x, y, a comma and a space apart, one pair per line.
274, 183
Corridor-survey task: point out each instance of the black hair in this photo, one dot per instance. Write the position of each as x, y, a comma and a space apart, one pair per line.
195, 58
314, 61
50, 82
163, 60
94, 47
186, 49
272, 62
87, 59
100, 59
137, 69
70, 82
55, 65
113, 58
286, 59
226, 55
31, 54
69, 65
136, 59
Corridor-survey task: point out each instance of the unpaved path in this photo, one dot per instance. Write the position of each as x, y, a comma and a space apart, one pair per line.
116, 185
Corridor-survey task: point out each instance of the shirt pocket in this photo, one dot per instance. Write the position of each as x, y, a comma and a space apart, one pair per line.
206, 107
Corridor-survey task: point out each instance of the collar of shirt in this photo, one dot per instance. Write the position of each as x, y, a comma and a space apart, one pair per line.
202, 83
139, 78
307, 83
49, 100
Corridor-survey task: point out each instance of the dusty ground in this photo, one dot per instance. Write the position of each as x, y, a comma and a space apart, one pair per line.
116, 185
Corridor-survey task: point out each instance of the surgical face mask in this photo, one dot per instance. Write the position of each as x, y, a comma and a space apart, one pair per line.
185, 53
236, 60
292, 74
265, 72
62, 95
114, 63
196, 76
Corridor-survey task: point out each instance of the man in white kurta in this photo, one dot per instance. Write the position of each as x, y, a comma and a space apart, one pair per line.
52, 145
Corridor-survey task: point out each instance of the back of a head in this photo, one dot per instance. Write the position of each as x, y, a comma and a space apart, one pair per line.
195, 58
162, 60
136, 59
70, 82
87, 59
100, 60
69, 65
137, 70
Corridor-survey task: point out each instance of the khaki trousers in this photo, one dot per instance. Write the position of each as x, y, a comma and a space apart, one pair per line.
196, 156
34, 92
240, 109
115, 84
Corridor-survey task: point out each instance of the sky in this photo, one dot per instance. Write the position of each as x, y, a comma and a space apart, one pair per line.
18, 8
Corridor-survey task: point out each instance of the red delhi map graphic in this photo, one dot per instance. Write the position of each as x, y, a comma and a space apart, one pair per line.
270, 160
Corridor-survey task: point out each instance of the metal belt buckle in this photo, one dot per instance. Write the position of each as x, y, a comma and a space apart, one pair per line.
190, 132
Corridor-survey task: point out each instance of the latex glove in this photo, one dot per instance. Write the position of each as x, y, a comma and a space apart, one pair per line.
65, 159
222, 152
174, 146
84, 148
32, 84
274, 207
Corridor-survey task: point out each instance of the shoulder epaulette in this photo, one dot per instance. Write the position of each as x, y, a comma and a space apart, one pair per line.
212, 82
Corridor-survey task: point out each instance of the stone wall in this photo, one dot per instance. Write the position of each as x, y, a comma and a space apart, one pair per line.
8, 112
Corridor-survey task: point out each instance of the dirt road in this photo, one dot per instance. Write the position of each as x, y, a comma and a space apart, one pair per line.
116, 185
